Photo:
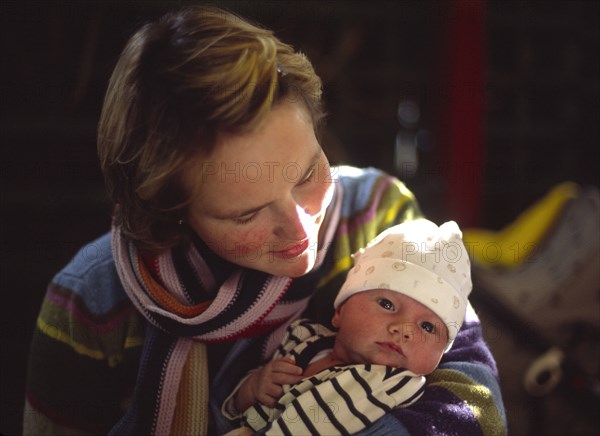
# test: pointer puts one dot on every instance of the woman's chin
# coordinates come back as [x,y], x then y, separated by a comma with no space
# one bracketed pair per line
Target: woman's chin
[295,267]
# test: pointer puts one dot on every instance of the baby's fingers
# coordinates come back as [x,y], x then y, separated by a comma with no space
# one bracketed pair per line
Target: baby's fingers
[269,395]
[286,366]
[284,378]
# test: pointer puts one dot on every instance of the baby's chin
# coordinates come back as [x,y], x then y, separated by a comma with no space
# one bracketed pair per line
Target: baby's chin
[386,362]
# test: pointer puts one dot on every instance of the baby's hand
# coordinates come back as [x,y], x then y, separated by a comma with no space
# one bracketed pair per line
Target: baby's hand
[242,431]
[267,382]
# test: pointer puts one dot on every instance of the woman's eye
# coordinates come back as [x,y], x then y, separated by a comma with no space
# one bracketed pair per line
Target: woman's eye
[308,178]
[245,219]
[428,327]
[386,304]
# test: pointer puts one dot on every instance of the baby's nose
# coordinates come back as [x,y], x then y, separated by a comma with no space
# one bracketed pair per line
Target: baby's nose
[405,330]
[408,333]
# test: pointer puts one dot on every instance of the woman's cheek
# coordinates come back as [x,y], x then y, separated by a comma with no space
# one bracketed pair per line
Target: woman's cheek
[251,242]
[323,196]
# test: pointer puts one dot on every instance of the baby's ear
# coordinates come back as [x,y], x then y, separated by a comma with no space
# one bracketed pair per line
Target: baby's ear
[335,321]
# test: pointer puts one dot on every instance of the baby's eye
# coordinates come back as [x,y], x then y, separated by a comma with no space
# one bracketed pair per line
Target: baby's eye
[428,327]
[386,304]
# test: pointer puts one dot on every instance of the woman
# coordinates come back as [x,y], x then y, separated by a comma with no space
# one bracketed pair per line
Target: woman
[229,224]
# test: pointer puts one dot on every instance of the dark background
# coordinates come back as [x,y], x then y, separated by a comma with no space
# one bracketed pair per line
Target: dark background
[540,118]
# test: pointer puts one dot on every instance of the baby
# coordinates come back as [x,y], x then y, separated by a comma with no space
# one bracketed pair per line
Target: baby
[398,311]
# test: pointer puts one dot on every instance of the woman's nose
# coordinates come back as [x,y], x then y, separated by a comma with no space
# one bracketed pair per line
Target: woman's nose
[293,224]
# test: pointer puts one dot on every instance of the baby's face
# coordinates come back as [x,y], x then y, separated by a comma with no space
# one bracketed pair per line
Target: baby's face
[388,328]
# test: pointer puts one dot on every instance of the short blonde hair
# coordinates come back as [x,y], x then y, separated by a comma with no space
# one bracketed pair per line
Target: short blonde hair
[178,82]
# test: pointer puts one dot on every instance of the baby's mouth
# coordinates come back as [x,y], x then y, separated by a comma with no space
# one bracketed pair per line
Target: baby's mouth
[391,346]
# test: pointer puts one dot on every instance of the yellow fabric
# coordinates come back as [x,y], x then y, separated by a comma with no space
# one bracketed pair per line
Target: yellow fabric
[514,244]
[191,411]
[477,397]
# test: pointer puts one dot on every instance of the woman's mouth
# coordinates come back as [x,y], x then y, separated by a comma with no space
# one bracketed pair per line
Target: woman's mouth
[293,251]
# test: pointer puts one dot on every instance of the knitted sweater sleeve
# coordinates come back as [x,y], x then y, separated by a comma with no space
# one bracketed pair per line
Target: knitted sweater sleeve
[84,350]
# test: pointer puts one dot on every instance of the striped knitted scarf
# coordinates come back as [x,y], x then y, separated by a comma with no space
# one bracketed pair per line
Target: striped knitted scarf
[190,297]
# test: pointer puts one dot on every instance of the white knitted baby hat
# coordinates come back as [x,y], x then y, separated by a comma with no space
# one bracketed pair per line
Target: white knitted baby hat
[420,260]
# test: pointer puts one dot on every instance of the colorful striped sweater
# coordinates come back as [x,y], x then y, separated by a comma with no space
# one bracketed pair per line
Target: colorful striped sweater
[86,347]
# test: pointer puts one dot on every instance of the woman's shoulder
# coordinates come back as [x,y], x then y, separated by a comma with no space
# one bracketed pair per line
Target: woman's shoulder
[86,309]
[352,176]
[368,188]
[92,277]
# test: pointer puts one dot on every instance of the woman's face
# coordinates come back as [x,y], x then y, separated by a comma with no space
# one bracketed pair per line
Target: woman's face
[259,198]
